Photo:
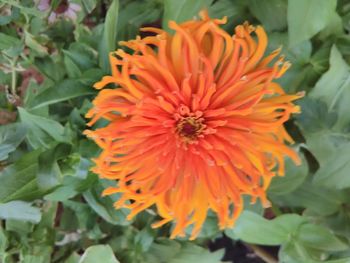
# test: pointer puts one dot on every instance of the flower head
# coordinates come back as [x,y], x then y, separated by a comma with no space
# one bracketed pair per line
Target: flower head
[65,9]
[195,123]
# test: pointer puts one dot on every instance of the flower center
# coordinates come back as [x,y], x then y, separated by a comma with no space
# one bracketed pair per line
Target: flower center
[189,128]
[62,7]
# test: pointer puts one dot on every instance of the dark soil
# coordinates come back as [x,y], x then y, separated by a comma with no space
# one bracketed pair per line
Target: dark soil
[238,252]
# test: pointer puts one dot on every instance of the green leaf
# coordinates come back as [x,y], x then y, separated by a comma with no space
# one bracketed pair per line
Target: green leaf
[182,10]
[52,67]
[7,42]
[19,181]
[3,241]
[34,45]
[193,253]
[82,55]
[42,131]
[83,216]
[103,206]
[11,136]
[317,125]
[73,258]
[49,173]
[334,173]
[293,178]
[73,70]
[300,57]
[19,226]
[308,17]
[319,237]
[293,252]
[321,200]
[10,45]
[15,14]
[65,90]
[253,228]
[236,12]
[334,88]
[135,15]
[333,28]
[98,253]
[20,210]
[110,30]
[89,5]
[144,239]
[271,13]
[27,10]
[162,249]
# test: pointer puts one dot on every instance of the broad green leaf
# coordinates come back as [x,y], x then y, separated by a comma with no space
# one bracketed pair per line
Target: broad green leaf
[42,131]
[333,28]
[308,17]
[81,55]
[71,186]
[103,206]
[19,181]
[315,117]
[271,13]
[162,250]
[300,57]
[52,67]
[73,258]
[20,210]
[7,42]
[334,88]
[62,193]
[49,173]
[84,217]
[293,178]
[91,76]
[182,10]
[293,252]
[253,228]
[321,200]
[98,253]
[10,45]
[19,226]
[11,136]
[317,124]
[319,237]
[73,70]
[109,39]
[193,253]
[334,173]
[67,89]
[144,239]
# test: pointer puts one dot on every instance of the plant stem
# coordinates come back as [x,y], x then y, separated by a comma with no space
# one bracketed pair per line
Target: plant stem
[13,77]
[263,254]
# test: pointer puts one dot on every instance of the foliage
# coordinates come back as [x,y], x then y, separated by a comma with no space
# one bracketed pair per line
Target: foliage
[50,204]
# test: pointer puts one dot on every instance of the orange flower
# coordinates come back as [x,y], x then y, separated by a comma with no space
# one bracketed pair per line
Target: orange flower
[195,123]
